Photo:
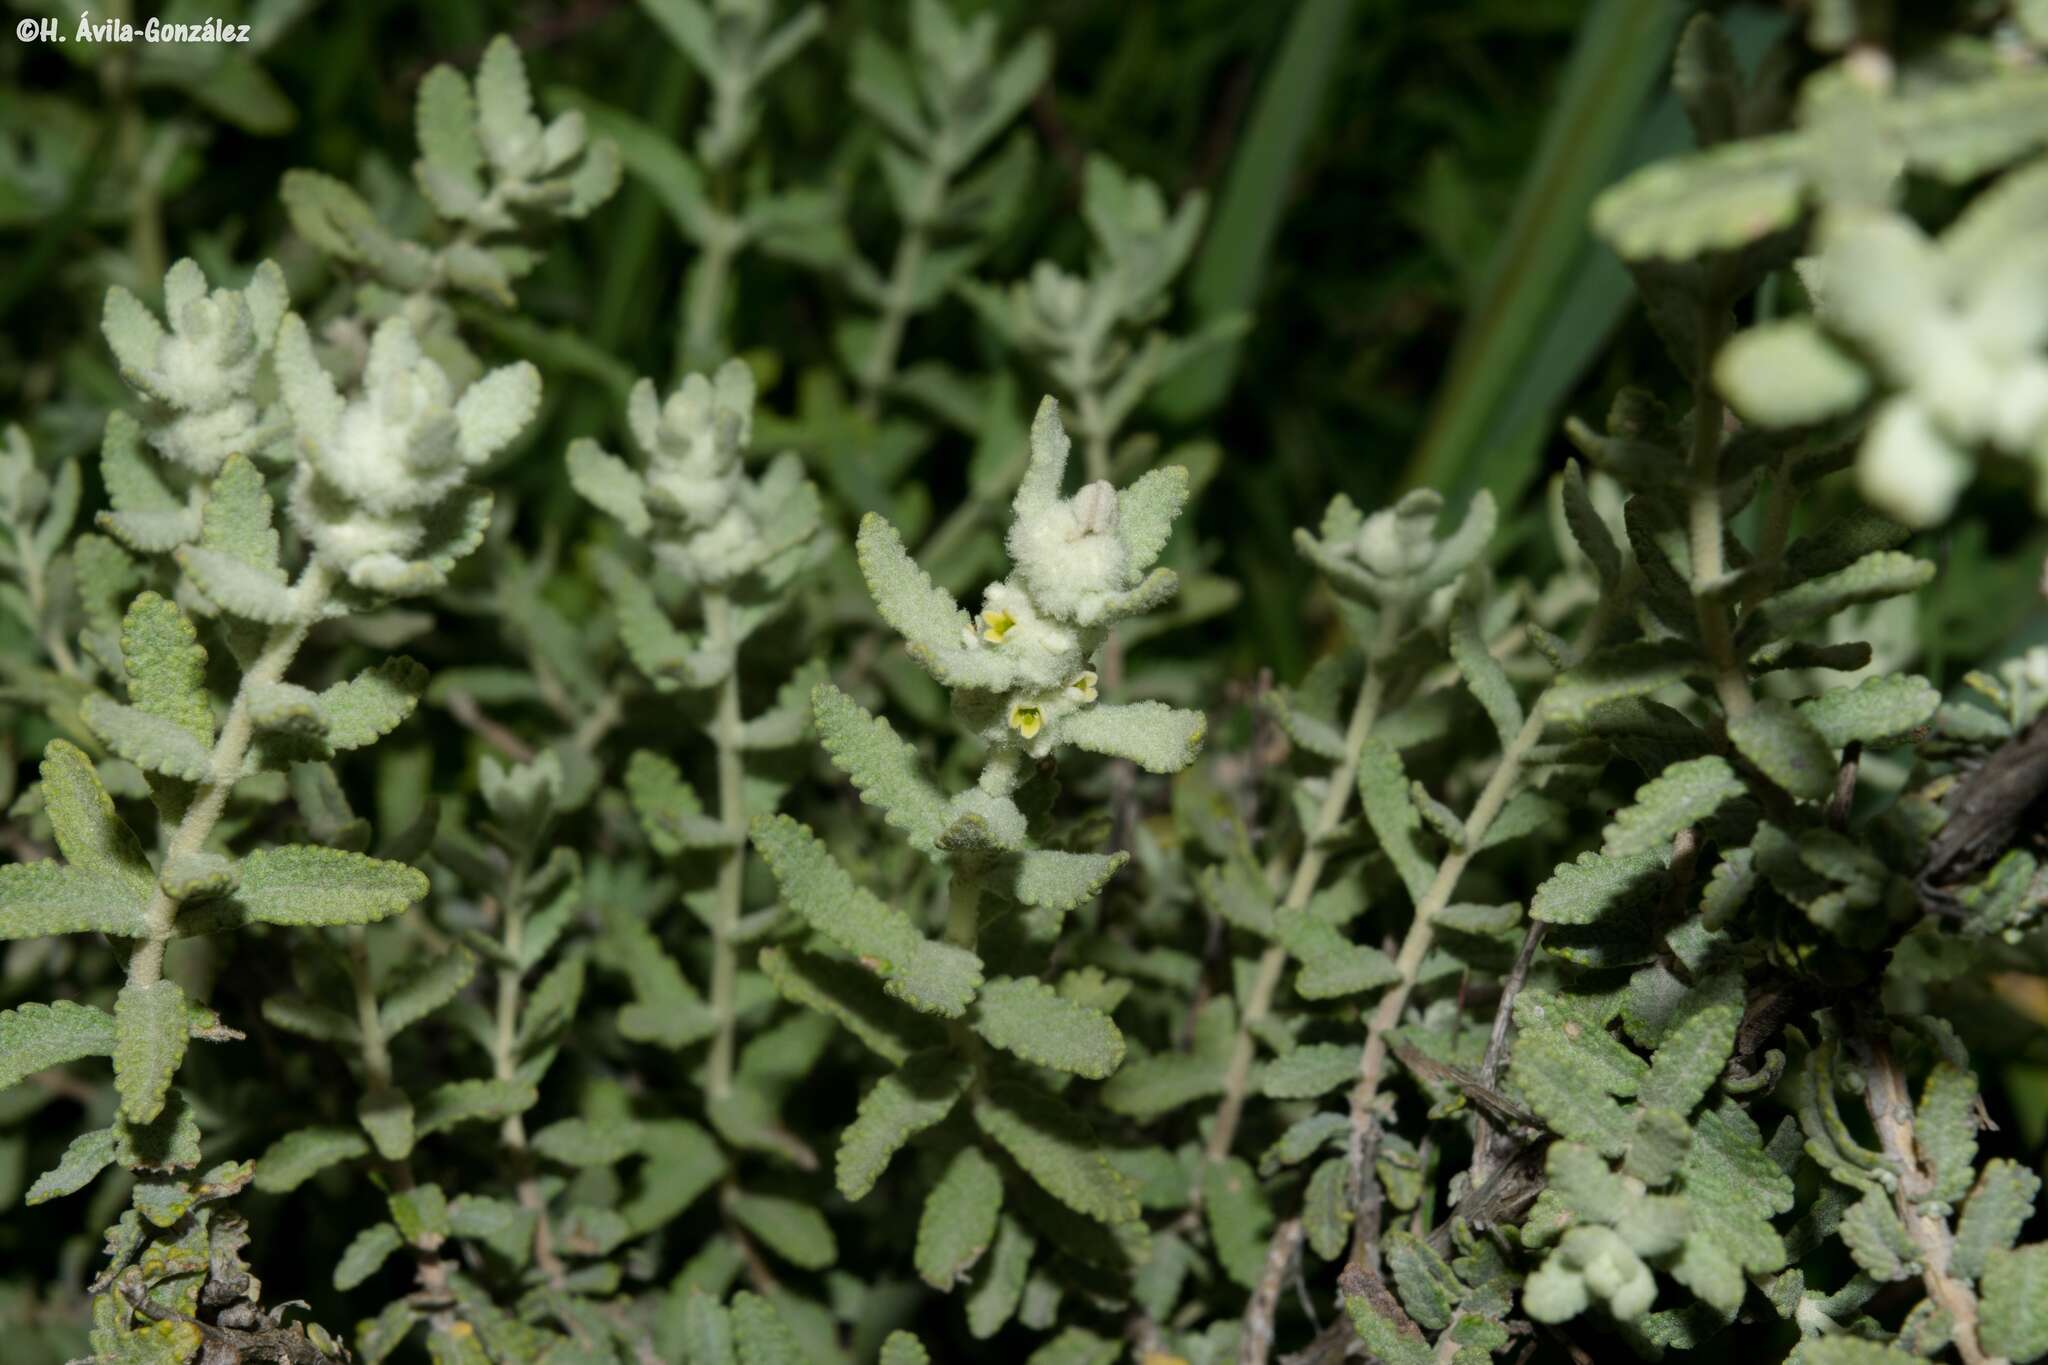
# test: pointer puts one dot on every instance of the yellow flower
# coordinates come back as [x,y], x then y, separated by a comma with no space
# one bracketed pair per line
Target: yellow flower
[1027,720]
[995,625]
[1082,688]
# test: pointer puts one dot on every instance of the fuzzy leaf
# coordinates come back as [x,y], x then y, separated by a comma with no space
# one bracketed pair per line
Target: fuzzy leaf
[924,614]
[1696,1045]
[901,1348]
[1155,1085]
[1873,578]
[936,977]
[299,1156]
[794,1230]
[904,1103]
[167,667]
[959,1219]
[1588,528]
[1157,737]
[1683,795]
[362,1257]
[372,704]
[1945,1128]
[1428,1289]
[1028,1018]
[423,987]
[470,1102]
[851,996]
[88,1155]
[669,810]
[1878,712]
[38,899]
[1051,879]
[1483,673]
[609,484]
[2000,1204]
[150,742]
[1056,1148]
[588,1142]
[1877,1239]
[1787,373]
[37,1037]
[90,835]
[305,885]
[1331,964]
[760,1333]
[884,768]
[150,1037]
[2014,1322]
[1309,1070]
[1597,887]
[241,589]
[1619,672]
[1786,748]
[1239,1220]
[1383,791]
[236,521]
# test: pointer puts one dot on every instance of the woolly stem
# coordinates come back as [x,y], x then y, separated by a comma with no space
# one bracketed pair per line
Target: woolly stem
[726,733]
[224,769]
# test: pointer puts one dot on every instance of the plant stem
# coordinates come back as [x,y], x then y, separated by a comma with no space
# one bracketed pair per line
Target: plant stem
[911,248]
[505,1066]
[1891,1113]
[1704,529]
[1415,946]
[224,769]
[704,302]
[726,735]
[1302,885]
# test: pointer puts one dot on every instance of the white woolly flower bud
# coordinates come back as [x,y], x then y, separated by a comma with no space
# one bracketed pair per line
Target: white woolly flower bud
[1070,556]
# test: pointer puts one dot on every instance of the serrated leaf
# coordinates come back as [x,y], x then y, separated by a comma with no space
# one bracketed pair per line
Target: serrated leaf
[1786,748]
[904,1103]
[1383,792]
[1588,528]
[1617,673]
[1597,887]
[470,1102]
[924,614]
[1696,1045]
[1877,1239]
[1428,1288]
[669,810]
[884,768]
[999,1279]
[297,1157]
[588,1142]
[609,484]
[1878,712]
[365,1255]
[936,977]
[38,899]
[761,1335]
[372,704]
[1239,1221]
[1945,1129]
[959,1220]
[2014,1312]
[1155,1085]
[790,1228]
[90,835]
[901,1348]
[1028,1018]
[425,985]
[150,742]
[2000,1204]
[387,1116]
[853,997]
[1309,1070]
[1052,879]
[37,1037]
[1483,673]
[241,589]
[1331,964]
[1683,795]
[150,1037]
[1157,737]
[666,1009]
[1873,578]
[88,1155]
[302,884]
[1057,1149]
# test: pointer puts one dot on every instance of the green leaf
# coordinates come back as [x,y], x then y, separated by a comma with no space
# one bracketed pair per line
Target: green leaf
[1383,792]
[1157,737]
[90,835]
[38,899]
[1786,748]
[1028,1018]
[167,667]
[1877,1239]
[609,484]
[1945,1129]
[1788,373]
[88,1155]
[150,742]
[387,1116]
[851,996]
[999,1279]
[302,884]
[884,768]
[2000,1204]
[297,1157]
[959,1219]
[363,1256]
[1619,672]
[423,986]
[470,1102]
[1873,578]
[37,1037]
[151,1032]
[236,521]
[1056,1148]
[901,1348]
[761,1335]
[372,704]
[1051,879]
[2014,1321]
[904,1103]
[1239,1221]
[924,614]
[668,807]
[1878,712]
[1428,1289]
[588,1142]
[1845,1350]
[1483,673]
[1150,1086]
[1696,1045]
[1388,1337]
[1597,887]
[1589,529]
[1331,964]
[1683,795]
[1309,1070]
[935,977]
[241,589]
[791,1228]
[666,1009]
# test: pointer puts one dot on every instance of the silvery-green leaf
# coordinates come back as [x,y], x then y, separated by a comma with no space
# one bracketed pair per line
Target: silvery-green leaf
[958,1224]
[150,1037]
[1157,737]
[1029,1019]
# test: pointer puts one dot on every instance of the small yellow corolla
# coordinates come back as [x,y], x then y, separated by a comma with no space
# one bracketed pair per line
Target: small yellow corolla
[1026,720]
[996,624]
[1082,687]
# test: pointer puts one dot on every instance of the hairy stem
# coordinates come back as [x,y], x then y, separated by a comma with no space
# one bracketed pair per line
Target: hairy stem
[1302,885]
[725,733]
[224,769]
[700,346]
[1891,1113]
